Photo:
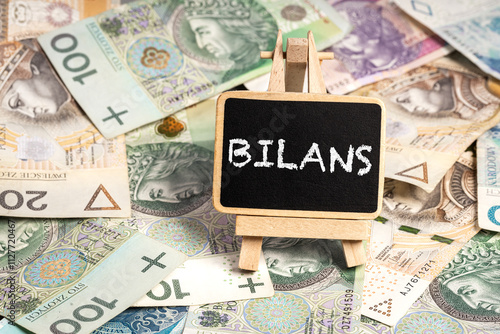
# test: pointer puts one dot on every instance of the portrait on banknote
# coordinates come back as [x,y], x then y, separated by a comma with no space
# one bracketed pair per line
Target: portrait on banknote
[30,91]
[451,203]
[224,35]
[312,264]
[468,287]
[444,95]
[29,236]
[377,41]
[169,179]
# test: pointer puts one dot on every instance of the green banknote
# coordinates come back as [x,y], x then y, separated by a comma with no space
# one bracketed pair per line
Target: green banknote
[170,169]
[315,293]
[80,280]
[144,61]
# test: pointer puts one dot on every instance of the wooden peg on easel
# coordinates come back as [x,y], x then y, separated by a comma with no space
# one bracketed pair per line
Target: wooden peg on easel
[339,218]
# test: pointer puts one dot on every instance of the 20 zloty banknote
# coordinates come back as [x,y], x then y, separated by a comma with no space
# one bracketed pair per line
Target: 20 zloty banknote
[383,43]
[53,161]
[24,19]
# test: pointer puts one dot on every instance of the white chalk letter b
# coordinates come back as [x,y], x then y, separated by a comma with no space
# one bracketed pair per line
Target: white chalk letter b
[239,152]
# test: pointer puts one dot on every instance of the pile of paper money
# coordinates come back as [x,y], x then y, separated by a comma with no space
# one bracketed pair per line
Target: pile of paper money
[107,127]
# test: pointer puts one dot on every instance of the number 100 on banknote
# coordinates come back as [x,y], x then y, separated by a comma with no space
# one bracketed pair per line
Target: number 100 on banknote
[141,62]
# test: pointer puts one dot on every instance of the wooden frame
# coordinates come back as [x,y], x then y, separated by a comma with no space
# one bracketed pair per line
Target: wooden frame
[290,96]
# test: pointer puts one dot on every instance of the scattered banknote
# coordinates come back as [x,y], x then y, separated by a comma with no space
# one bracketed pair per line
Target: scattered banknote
[144,61]
[164,320]
[434,113]
[470,26]
[181,147]
[100,268]
[211,279]
[49,150]
[488,179]
[383,43]
[211,273]
[323,297]
[24,19]
[415,237]
[28,238]
[444,307]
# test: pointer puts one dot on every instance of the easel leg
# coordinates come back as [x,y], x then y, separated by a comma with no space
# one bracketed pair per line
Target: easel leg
[250,253]
[354,252]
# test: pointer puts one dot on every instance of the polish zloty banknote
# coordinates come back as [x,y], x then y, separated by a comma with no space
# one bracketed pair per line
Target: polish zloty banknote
[383,43]
[415,237]
[144,61]
[469,26]
[23,19]
[433,114]
[164,320]
[101,269]
[488,179]
[26,238]
[181,146]
[463,298]
[53,161]
[324,296]
[210,279]
[211,273]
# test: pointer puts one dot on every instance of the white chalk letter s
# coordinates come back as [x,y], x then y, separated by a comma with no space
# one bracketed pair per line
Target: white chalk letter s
[363,171]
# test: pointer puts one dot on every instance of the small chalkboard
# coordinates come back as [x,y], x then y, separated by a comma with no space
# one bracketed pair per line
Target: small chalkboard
[299,155]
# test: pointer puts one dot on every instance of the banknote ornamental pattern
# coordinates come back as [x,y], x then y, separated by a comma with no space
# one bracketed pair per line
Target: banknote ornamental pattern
[56,268]
[151,58]
[170,127]
[428,322]
[187,235]
[281,313]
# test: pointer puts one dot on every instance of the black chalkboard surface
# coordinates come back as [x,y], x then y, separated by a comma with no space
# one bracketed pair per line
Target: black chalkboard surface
[299,155]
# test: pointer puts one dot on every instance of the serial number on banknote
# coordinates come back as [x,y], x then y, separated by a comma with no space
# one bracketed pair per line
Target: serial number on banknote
[347,309]
[416,278]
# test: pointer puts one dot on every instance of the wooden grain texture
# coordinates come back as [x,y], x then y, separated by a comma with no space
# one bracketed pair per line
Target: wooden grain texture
[290,96]
[277,80]
[354,252]
[296,64]
[302,228]
[315,76]
[494,86]
[251,247]
[321,55]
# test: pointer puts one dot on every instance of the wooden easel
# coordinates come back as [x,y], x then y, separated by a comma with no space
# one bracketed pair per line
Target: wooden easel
[300,52]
